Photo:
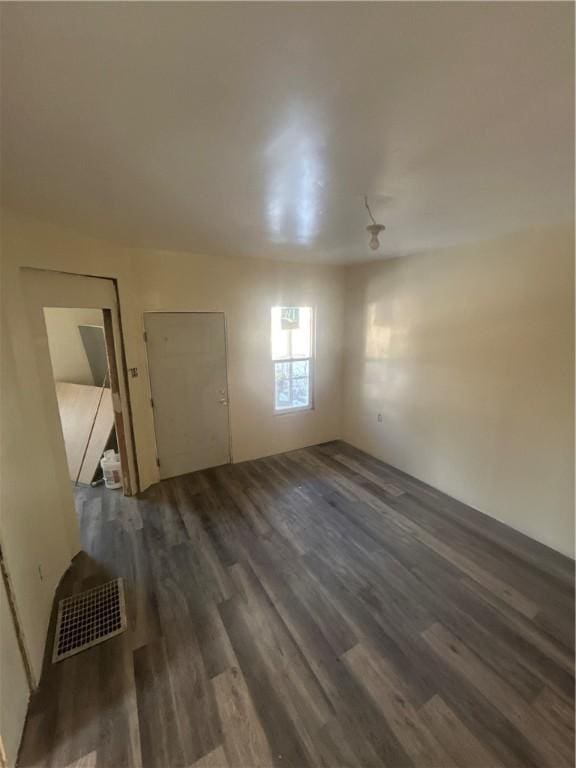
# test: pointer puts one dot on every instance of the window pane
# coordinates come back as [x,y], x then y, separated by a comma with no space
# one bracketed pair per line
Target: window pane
[300,393]
[300,368]
[292,385]
[282,371]
[301,337]
[280,338]
[291,332]
[283,399]
[290,318]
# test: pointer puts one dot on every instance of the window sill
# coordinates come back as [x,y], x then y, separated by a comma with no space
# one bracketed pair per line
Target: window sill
[286,411]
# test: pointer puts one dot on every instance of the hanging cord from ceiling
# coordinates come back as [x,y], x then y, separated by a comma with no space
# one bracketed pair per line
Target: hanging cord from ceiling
[368,209]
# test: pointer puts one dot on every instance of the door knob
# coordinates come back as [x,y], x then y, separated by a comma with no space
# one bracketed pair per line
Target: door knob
[223,401]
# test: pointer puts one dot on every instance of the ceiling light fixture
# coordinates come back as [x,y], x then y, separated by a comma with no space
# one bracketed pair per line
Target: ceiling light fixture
[373,228]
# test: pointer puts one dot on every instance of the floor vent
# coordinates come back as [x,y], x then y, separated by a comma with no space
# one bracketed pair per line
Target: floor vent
[89,618]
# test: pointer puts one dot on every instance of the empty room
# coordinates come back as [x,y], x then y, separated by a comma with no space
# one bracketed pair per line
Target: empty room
[287,385]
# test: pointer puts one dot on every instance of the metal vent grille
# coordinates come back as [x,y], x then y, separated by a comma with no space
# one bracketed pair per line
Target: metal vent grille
[89,618]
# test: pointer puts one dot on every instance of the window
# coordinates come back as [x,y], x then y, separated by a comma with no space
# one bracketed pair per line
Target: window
[292,357]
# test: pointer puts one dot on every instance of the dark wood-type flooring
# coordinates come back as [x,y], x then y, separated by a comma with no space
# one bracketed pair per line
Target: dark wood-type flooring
[317,608]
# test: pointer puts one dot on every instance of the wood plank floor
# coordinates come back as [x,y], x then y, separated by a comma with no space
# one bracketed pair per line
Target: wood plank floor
[317,608]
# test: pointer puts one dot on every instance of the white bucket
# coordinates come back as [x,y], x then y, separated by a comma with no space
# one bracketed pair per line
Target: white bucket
[111,468]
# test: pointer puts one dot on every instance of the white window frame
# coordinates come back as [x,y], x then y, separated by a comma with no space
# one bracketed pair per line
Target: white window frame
[310,360]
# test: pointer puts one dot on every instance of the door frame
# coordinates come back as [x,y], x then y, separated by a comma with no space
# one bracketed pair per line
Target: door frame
[145,337]
[116,355]
[130,485]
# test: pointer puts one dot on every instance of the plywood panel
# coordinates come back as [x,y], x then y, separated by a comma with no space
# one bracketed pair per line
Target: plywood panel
[78,404]
[102,428]
[87,419]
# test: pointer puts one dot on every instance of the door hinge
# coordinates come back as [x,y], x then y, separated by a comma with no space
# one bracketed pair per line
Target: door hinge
[152,402]
[157,461]
[145,336]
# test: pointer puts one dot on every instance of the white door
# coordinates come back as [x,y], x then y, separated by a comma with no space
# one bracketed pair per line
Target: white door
[187,363]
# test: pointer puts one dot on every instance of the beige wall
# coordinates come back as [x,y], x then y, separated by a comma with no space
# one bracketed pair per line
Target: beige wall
[468,354]
[245,290]
[67,353]
[37,521]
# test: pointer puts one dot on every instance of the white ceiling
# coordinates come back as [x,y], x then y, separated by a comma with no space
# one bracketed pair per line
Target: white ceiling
[254,129]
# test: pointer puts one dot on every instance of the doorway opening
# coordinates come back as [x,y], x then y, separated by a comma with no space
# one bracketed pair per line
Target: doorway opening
[84,370]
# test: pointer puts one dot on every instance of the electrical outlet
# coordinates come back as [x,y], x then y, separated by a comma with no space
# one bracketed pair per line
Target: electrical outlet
[379,418]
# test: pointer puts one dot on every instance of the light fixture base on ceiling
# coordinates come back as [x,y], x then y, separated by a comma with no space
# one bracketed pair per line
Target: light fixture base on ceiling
[375,230]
